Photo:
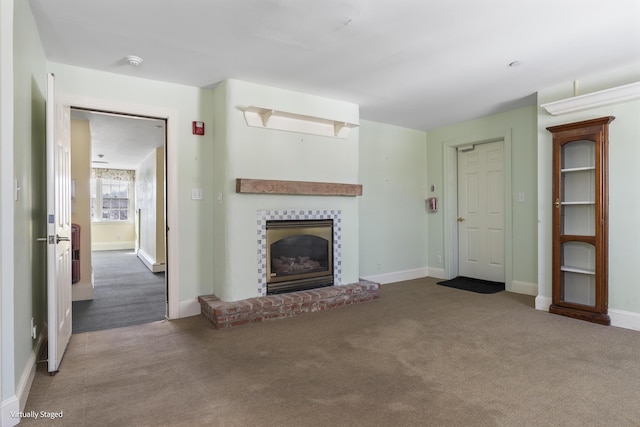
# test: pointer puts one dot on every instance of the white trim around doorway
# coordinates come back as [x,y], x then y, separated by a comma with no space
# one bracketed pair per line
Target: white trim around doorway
[171,116]
[450,207]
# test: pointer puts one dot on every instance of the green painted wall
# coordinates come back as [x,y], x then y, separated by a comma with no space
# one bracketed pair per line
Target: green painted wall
[81,205]
[520,124]
[194,162]
[221,189]
[29,169]
[393,218]
[7,381]
[251,152]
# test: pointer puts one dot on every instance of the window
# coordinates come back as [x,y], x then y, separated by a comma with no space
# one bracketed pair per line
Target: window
[112,194]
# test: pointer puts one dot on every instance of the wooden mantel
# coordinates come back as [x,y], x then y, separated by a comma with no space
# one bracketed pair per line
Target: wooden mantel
[270,186]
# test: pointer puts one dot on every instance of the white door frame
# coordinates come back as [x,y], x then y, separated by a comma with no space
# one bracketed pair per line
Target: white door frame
[171,176]
[450,207]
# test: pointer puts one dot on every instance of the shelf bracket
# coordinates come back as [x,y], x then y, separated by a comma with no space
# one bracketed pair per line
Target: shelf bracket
[338,126]
[265,115]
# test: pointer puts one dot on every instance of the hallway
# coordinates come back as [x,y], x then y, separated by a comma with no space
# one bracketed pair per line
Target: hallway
[125,293]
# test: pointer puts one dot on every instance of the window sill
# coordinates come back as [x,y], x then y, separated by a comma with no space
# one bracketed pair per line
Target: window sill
[111,222]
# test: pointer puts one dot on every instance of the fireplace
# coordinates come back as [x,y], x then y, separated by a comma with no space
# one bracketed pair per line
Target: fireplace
[299,255]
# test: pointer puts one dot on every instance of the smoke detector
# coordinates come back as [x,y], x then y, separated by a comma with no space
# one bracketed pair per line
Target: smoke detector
[133,60]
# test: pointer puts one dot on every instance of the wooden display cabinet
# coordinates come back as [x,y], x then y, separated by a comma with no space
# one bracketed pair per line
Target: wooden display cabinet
[580,220]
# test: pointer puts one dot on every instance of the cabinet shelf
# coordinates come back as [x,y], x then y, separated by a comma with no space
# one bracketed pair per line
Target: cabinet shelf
[577,203]
[578,270]
[270,118]
[581,169]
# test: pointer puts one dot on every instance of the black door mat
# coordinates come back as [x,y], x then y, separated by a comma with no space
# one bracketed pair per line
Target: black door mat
[474,285]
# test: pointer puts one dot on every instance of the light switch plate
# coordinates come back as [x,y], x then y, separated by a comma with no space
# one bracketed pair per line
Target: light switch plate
[196,194]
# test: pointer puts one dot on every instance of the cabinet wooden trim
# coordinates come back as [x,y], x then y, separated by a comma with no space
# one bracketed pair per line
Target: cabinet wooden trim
[596,131]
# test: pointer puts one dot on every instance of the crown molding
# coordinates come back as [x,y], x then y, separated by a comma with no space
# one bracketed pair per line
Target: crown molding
[594,99]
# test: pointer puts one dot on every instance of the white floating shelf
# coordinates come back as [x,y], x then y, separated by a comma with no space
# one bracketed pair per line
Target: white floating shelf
[594,99]
[282,120]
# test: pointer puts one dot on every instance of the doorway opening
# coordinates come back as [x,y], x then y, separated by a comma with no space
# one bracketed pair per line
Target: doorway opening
[451,208]
[119,208]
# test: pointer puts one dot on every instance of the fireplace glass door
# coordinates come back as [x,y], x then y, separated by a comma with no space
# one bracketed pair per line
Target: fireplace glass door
[299,255]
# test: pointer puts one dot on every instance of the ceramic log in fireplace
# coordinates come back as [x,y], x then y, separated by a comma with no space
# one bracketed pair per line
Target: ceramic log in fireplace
[299,255]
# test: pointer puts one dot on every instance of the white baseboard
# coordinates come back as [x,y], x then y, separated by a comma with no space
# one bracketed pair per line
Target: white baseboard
[543,303]
[12,406]
[190,308]
[398,276]
[82,291]
[625,319]
[151,263]
[619,318]
[26,379]
[113,246]
[525,288]
[438,273]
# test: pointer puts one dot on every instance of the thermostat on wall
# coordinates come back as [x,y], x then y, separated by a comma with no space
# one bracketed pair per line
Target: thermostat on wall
[198,128]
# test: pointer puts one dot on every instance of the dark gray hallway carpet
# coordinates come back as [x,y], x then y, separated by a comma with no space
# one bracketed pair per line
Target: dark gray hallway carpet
[125,293]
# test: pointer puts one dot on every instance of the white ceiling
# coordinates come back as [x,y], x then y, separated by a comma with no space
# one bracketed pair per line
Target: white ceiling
[121,142]
[414,63]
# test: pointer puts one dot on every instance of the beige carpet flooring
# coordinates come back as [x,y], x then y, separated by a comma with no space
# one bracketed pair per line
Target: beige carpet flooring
[421,355]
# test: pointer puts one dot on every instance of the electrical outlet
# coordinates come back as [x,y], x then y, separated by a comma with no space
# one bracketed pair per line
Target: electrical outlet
[379,266]
[439,259]
[33,330]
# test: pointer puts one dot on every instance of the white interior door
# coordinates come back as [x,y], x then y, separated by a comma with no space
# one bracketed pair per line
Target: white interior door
[481,211]
[58,226]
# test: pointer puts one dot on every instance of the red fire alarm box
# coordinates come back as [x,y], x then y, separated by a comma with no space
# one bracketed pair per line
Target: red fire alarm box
[198,128]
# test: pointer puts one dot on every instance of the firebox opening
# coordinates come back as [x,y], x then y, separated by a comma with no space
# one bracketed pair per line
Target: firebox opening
[299,255]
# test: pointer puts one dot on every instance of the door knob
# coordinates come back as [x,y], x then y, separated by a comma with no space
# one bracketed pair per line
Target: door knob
[62,239]
[460,219]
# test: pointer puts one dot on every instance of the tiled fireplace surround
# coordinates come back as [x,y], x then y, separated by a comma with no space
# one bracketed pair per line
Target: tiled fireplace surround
[225,314]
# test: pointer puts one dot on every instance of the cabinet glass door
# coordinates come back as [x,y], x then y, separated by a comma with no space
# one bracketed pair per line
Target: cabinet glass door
[578,212]
[578,191]
[578,273]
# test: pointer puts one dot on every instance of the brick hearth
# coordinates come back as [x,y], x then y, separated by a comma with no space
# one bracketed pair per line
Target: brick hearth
[224,315]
